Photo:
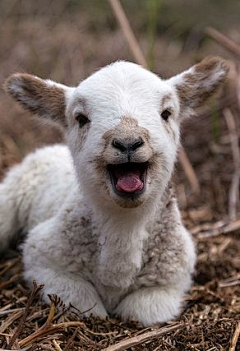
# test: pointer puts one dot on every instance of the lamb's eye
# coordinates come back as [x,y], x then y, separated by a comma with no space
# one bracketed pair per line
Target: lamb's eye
[82,120]
[165,114]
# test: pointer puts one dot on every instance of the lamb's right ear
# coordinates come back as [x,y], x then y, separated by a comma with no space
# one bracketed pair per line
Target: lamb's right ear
[199,83]
[42,97]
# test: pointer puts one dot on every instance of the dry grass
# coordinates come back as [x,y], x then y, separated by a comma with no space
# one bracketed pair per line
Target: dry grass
[64,44]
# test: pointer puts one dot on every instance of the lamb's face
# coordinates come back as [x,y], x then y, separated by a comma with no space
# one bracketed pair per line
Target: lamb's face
[124,133]
[122,124]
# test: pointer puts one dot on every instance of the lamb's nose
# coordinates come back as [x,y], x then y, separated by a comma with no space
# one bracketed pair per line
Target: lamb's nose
[124,146]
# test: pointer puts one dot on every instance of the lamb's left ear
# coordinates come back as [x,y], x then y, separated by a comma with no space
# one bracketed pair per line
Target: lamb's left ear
[196,85]
[42,97]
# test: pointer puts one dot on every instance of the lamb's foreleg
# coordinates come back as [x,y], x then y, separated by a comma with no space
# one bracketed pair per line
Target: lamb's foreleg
[151,305]
[50,261]
[73,290]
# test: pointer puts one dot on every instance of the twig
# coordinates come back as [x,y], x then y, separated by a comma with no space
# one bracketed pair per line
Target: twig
[56,345]
[238,84]
[8,306]
[224,41]
[9,265]
[234,188]
[205,227]
[190,173]
[140,59]
[70,341]
[10,281]
[10,320]
[218,228]
[2,313]
[50,328]
[128,33]
[235,338]
[232,281]
[136,340]
[34,293]
[47,330]
[227,285]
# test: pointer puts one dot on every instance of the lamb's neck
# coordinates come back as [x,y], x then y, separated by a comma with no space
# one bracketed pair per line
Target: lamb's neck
[114,220]
[121,235]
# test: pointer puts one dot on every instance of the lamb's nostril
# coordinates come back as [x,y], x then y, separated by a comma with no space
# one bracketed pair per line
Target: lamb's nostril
[119,145]
[136,144]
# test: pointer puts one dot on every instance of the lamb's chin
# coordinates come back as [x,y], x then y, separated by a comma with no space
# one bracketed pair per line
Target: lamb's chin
[128,201]
[128,204]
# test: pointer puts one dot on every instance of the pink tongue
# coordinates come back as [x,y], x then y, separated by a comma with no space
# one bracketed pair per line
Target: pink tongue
[129,183]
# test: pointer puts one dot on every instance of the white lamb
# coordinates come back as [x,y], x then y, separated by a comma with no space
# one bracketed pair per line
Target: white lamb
[102,224]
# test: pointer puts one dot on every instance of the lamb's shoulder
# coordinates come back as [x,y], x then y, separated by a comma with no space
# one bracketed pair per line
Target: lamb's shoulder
[169,253]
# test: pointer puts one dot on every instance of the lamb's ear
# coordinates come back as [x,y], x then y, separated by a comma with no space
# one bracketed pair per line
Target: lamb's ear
[42,97]
[196,85]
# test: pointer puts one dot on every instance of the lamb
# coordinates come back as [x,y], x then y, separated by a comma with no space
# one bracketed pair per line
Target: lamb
[101,221]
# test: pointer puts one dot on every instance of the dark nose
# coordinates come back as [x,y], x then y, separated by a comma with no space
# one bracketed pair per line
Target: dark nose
[127,147]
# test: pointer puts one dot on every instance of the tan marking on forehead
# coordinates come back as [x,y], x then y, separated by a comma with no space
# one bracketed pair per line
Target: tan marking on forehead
[128,122]
[124,128]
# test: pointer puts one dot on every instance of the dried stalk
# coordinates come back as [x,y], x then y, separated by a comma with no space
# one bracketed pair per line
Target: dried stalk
[206,227]
[136,340]
[218,228]
[50,328]
[140,59]
[189,171]
[224,41]
[56,345]
[10,281]
[128,33]
[238,84]
[234,188]
[235,338]
[2,313]
[70,341]
[232,281]
[10,320]
[9,265]
[34,293]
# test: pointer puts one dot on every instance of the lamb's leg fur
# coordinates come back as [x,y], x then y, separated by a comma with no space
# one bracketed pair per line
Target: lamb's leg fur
[151,305]
[44,261]
[71,289]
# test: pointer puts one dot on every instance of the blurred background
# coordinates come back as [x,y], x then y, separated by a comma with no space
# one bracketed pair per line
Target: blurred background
[66,40]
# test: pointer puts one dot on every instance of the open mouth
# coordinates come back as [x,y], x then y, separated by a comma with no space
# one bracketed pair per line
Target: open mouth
[128,179]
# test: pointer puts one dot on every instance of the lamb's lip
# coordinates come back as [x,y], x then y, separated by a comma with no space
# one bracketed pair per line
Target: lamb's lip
[133,196]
